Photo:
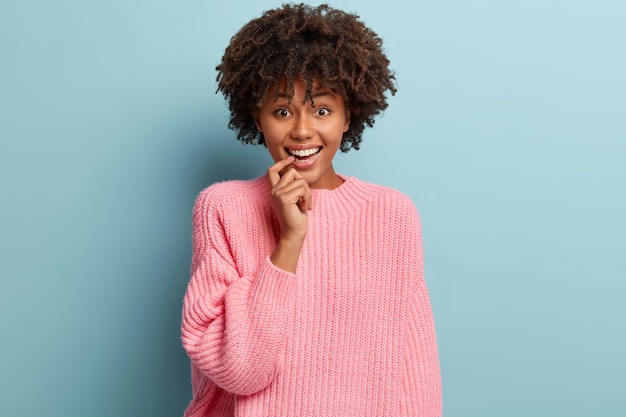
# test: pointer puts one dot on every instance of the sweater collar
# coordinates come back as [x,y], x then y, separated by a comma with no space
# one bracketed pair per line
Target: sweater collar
[342,201]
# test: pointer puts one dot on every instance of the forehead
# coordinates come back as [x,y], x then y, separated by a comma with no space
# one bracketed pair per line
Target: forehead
[286,88]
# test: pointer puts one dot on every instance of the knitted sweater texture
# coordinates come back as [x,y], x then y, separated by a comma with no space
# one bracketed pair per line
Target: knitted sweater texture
[349,334]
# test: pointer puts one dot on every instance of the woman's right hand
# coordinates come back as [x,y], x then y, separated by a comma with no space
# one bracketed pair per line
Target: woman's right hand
[291,197]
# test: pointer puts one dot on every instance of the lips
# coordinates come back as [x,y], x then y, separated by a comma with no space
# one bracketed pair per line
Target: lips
[305,156]
[303,153]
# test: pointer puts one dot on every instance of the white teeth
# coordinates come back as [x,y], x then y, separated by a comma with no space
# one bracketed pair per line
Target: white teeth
[303,153]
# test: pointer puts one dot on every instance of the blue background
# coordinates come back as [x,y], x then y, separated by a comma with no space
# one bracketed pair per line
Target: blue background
[508,132]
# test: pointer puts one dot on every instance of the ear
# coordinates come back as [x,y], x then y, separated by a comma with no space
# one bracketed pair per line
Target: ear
[346,125]
[257,121]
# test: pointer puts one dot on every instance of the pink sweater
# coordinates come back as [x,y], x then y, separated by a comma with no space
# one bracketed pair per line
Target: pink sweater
[350,334]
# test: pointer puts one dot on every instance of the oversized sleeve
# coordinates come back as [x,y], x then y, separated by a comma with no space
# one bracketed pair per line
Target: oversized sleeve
[421,382]
[233,326]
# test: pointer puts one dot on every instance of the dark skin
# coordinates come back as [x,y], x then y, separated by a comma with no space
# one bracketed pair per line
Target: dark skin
[293,125]
[292,198]
[306,42]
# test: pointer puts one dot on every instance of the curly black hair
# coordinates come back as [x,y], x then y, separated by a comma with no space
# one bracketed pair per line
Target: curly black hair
[299,41]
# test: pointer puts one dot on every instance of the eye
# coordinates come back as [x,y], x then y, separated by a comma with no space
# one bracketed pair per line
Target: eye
[282,113]
[322,111]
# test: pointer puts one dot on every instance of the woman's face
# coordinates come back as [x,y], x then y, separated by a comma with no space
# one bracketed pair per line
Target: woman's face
[310,130]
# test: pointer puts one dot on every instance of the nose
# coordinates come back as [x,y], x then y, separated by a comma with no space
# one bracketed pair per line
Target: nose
[302,128]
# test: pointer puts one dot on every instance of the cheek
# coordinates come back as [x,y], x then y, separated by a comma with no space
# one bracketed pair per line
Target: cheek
[275,154]
[275,150]
[337,131]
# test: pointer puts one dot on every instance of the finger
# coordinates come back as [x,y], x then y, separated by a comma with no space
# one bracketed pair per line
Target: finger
[294,179]
[296,193]
[273,172]
[307,200]
[291,191]
[295,188]
[287,176]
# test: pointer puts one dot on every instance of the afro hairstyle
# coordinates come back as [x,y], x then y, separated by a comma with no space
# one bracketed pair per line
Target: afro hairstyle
[320,44]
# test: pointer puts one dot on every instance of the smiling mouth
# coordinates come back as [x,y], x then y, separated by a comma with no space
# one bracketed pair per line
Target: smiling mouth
[302,154]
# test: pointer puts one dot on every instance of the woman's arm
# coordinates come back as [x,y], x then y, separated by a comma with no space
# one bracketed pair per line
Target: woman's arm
[233,327]
[421,384]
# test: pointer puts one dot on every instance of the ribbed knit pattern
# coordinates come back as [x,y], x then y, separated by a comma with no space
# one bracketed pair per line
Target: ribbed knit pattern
[350,334]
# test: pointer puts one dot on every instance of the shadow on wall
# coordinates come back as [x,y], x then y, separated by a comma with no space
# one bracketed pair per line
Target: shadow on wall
[209,154]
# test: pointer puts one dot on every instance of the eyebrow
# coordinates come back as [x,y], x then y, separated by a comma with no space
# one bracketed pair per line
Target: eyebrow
[313,96]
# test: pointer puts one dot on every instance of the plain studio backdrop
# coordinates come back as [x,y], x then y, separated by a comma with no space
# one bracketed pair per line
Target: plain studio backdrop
[508,131]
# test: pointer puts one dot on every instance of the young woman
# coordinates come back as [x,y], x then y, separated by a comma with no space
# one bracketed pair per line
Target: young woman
[307,295]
